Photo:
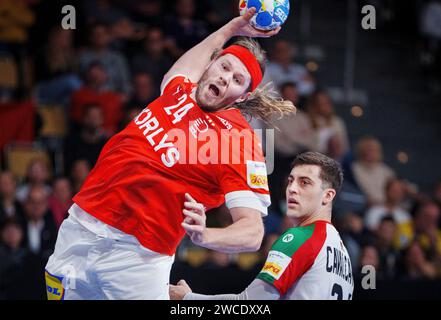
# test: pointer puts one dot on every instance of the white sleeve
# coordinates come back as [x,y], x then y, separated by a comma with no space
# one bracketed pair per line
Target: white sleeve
[257,290]
[248,199]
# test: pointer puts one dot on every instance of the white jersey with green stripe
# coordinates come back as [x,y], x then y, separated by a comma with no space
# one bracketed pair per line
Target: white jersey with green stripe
[310,262]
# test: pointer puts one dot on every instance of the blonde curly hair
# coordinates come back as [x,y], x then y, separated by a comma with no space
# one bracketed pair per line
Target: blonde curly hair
[265,100]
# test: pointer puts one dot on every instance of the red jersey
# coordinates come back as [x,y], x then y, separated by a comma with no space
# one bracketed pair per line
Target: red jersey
[170,148]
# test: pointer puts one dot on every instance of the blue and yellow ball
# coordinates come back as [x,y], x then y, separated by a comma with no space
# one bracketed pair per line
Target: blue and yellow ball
[269,15]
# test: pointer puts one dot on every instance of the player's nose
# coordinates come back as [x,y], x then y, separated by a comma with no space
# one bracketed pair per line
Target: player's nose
[292,188]
[222,81]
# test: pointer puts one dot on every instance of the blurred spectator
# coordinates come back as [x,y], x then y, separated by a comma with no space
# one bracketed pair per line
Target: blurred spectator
[369,171]
[94,92]
[55,68]
[426,231]
[369,257]
[80,171]
[395,194]
[40,232]
[125,34]
[282,68]
[11,129]
[10,207]
[292,134]
[437,196]
[183,26]
[12,260]
[431,19]
[388,254]
[214,13]
[416,265]
[155,58]
[354,235]
[430,28]
[328,127]
[16,18]
[218,12]
[144,91]
[112,61]
[101,11]
[37,176]
[336,149]
[150,12]
[87,142]
[60,200]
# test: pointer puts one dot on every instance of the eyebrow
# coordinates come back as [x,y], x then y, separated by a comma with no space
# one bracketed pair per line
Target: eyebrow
[301,177]
[239,73]
[227,62]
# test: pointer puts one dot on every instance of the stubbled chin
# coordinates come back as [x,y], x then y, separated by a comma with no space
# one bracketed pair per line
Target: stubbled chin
[205,102]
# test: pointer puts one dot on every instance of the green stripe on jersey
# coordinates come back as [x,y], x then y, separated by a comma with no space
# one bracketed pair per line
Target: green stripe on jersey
[282,251]
[292,239]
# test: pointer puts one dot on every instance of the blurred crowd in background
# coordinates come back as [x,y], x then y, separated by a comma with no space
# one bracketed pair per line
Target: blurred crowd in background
[63,93]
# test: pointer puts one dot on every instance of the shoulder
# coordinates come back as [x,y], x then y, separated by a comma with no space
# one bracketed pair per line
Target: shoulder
[295,238]
[339,123]
[375,210]
[171,83]
[386,169]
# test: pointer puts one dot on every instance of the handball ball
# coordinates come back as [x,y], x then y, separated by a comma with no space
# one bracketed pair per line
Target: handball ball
[269,13]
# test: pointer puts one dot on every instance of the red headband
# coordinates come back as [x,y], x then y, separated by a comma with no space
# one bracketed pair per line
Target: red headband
[250,62]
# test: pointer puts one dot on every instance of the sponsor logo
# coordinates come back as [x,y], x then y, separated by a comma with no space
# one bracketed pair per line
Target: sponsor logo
[54,287]
[258,180]
[272,268]
[288,238]
[256,175]
[276,264]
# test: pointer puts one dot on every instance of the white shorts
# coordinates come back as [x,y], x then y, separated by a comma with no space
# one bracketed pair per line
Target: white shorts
[98,265]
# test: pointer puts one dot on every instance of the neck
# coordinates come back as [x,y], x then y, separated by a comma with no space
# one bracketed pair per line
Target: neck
[35,220]
[320,216]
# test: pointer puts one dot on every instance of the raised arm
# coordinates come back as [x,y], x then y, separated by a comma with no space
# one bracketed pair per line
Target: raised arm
[193,63]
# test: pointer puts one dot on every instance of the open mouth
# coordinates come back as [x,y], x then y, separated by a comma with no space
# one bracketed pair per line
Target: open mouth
[214,90]
[293,202]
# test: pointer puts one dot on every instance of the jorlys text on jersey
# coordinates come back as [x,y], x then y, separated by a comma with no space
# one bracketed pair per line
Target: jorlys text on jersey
[155,134]
[201,138]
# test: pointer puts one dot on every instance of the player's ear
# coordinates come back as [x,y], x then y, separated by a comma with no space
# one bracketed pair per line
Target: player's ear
[243,97]
[328,196]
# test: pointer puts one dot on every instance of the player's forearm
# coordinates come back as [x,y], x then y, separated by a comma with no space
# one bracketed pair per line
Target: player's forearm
[197,296]
[257,290]
[194,62]
[244,235]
